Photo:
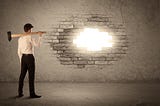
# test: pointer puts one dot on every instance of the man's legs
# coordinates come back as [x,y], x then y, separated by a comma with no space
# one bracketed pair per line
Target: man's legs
[22,76]
[31,71]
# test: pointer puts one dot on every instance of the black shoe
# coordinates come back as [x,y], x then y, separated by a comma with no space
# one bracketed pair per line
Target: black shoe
[20,95]
[35,96]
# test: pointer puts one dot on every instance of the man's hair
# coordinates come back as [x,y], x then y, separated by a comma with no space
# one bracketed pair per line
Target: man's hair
[27,27]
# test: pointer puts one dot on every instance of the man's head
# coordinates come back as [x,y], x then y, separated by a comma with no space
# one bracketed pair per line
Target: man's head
[27,27]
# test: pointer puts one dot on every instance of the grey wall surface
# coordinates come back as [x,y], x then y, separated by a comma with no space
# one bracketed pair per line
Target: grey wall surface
[141,19]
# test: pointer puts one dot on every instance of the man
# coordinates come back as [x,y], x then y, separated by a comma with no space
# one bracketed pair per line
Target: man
[26,55]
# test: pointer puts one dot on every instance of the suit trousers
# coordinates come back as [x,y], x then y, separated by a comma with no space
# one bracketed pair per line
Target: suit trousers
[27,63]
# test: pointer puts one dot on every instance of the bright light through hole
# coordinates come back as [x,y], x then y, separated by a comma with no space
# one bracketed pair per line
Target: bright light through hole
[93,40]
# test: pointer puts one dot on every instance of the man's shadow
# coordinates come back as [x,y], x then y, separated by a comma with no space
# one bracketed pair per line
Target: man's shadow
[17,97]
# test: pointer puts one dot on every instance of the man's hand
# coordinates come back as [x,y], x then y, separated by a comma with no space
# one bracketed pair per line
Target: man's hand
[41,32]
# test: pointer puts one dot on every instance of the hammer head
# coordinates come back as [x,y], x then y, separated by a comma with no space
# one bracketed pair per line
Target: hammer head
[9,35]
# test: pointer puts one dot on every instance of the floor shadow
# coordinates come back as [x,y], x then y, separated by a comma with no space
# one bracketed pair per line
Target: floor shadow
[30,98]
[17,97]
[27,97]
[14,97]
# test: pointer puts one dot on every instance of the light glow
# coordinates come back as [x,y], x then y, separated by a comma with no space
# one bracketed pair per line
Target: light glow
[93,40]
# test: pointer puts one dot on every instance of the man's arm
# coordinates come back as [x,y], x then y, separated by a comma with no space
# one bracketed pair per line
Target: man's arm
[36,43]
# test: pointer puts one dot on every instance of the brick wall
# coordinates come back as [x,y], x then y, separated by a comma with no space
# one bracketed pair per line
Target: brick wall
[133,23]
[61,40]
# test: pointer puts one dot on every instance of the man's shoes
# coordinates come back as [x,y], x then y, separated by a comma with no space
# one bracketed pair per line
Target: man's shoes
[35,96]
[20,95]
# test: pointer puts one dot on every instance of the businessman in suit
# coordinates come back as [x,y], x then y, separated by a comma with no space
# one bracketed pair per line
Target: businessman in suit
[26,46]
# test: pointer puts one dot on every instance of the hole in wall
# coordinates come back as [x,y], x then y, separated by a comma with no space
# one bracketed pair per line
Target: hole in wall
[64,41]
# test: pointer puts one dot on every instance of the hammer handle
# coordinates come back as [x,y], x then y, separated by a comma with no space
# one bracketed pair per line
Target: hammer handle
[26,34]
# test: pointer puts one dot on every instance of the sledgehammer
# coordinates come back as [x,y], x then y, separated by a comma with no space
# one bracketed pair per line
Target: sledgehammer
[10,35]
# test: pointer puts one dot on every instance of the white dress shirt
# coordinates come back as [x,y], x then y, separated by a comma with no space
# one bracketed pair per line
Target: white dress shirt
[26,45]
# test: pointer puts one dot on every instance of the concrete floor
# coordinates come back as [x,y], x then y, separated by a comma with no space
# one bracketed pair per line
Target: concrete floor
[83,94]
